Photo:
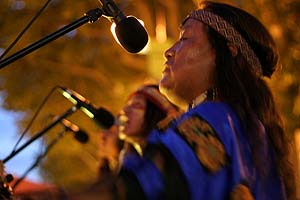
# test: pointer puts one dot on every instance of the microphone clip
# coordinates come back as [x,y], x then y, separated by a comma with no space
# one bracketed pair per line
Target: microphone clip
[94,14]
[111,11]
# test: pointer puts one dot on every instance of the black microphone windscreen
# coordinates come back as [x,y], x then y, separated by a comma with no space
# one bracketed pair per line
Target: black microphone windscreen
[104,118]
[131,34]
[81,137]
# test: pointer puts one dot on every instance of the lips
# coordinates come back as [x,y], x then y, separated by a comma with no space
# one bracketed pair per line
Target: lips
[167,68]
[123,121]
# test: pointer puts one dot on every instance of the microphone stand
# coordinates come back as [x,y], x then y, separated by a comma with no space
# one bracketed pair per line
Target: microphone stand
[57,120]
[40,157]
[91,16]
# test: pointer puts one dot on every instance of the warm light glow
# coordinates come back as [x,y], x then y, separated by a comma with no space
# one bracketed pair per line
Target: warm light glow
[296,54]
[160,29]
[146,49]
[297,144]
[135,144]
[122,136]
[87,112]
[161,35]
[276,31]
[296,107]
[113,31]
[68,96]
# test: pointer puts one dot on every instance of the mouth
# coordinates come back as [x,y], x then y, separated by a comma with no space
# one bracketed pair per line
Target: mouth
[167,68]
[123,120]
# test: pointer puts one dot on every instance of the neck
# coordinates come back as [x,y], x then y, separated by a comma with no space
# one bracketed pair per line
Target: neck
[199,99]
[208,95]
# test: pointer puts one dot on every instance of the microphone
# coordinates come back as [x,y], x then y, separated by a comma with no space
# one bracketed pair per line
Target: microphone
[103,117]
[80,135]
[130,32]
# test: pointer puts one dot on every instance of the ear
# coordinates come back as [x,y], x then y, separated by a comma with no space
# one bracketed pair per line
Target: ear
[233,49]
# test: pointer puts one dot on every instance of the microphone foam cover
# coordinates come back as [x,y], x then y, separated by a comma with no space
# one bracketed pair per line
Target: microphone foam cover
[131,34]
[81,137]
[104,118]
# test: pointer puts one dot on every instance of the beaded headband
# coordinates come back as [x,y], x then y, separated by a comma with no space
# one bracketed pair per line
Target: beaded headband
[228,31]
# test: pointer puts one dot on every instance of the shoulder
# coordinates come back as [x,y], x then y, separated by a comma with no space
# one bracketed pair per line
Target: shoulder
[214,112]
[212,130]
[220,117]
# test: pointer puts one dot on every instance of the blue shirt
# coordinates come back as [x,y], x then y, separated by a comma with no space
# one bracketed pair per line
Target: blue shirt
[230,173]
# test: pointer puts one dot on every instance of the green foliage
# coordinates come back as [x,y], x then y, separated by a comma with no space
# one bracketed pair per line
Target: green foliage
[89,62]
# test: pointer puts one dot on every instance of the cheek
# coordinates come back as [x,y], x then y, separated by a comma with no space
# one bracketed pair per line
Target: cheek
[166,80]
[135,125]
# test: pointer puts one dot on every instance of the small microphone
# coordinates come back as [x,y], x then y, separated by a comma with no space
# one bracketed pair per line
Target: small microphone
[80,135]
[129,31]
[103,117]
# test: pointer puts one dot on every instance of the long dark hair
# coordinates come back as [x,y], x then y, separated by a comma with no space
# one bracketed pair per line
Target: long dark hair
[153,114]
[249,94]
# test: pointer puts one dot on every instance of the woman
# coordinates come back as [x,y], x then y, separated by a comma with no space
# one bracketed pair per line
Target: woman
[230,144]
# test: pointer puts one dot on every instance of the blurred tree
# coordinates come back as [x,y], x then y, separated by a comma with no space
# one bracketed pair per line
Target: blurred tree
[87,60]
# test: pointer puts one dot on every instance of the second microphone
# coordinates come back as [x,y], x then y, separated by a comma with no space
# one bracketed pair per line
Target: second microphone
[103,117]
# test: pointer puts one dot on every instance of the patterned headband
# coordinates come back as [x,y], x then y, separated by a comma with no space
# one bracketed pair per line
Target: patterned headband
[228,31]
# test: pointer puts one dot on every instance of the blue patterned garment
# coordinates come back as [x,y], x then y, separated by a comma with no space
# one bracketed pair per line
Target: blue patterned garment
[212,155]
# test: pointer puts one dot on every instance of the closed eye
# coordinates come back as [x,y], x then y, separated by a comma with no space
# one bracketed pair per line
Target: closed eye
[183,38]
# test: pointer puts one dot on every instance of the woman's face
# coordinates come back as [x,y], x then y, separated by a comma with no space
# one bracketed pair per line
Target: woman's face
[190,66]
[134,112]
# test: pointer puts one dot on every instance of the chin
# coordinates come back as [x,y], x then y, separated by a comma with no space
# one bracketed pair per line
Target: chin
[165,83]
[163,89]
[172,97]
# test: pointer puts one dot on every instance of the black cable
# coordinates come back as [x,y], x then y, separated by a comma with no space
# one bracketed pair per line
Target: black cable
[33,118]
[25,29]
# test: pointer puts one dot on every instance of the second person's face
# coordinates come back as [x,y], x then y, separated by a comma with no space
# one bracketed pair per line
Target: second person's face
[134,111]
[190,66]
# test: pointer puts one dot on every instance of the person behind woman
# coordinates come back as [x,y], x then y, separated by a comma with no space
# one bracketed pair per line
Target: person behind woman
[146,109]
[124,143]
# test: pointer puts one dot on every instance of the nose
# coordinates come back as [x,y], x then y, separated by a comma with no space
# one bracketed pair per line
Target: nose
[125,110]
[169,52]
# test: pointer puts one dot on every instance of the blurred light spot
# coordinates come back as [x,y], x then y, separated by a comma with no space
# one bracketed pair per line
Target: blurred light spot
[288,79]
[296,54]
[275,31]
[18,5]
[146,49]
[297,153]
[113,31]
[296,107]
[160,29]
[161,35]
[71,34]
[1,51]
